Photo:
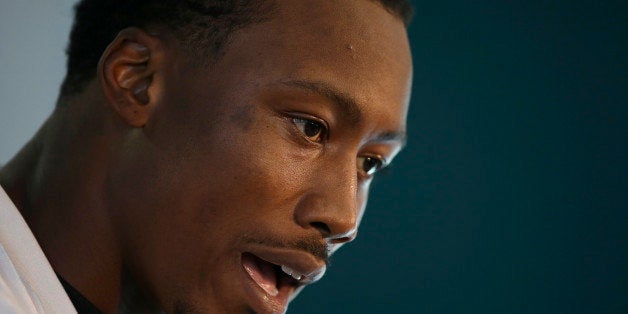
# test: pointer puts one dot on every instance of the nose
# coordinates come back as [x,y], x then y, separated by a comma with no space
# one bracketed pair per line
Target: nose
[331,203]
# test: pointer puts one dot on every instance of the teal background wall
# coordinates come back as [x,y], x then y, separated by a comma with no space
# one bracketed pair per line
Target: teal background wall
[512,194]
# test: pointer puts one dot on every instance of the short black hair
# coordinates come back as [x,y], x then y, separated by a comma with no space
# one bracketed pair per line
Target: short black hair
[202,26]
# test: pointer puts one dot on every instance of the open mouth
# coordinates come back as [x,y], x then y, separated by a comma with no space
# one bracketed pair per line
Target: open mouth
[271,277]
[275,273]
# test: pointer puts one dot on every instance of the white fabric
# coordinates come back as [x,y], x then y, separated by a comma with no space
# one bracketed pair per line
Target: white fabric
[27,282]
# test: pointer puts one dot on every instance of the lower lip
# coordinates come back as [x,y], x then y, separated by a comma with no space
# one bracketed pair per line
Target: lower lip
[262,302]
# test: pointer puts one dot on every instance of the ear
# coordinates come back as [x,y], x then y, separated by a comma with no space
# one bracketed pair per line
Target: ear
[126,73]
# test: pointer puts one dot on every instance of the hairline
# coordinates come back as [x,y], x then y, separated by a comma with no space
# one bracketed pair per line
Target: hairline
[203,55]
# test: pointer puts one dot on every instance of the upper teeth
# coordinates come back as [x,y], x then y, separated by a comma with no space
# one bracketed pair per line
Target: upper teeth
[295,274]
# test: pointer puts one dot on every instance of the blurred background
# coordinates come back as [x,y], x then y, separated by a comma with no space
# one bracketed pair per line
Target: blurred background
[512,195]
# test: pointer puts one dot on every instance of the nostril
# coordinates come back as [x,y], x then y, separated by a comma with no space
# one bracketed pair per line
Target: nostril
[322,228]
[344,238]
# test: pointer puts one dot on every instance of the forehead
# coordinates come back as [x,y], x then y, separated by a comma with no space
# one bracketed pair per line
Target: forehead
[355,46]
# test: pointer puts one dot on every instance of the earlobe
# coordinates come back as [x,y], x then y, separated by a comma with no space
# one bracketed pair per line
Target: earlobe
[126,71]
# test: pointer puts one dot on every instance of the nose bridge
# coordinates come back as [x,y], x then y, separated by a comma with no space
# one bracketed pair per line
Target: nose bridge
[331,203]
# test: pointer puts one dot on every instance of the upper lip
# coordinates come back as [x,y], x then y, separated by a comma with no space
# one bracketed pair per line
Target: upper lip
[302,262]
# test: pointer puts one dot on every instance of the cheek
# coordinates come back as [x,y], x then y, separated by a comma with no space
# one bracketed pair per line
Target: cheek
[243,167]
[256,169]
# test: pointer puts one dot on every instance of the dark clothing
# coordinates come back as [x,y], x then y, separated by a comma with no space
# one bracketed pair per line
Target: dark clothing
[82,305]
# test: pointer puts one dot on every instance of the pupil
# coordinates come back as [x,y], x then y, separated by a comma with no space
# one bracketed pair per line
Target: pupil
[312,129]
[370,163]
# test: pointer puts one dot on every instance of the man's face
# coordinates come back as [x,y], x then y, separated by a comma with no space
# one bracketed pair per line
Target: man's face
[263,159]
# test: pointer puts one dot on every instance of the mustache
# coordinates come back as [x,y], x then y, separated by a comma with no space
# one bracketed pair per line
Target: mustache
[314,246]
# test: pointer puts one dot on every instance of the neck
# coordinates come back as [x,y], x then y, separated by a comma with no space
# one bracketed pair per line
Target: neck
[57,181]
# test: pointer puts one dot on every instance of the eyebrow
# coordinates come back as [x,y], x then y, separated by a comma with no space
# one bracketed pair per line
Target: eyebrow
[395,136]
[348,107]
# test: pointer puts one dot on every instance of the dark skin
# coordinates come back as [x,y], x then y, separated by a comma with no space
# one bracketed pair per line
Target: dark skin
[147,188]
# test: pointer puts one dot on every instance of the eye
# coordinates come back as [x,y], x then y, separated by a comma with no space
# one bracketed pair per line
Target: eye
[369,165]
[315,131]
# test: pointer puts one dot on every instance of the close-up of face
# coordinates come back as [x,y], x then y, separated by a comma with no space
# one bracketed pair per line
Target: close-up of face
[262,156]
[251,171]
